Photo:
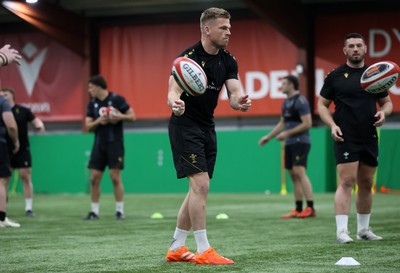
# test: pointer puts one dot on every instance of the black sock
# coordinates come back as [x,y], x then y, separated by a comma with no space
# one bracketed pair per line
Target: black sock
[2,215]
[299,206]
[310,204]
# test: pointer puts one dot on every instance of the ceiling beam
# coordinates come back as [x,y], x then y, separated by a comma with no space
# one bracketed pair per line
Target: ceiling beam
[65,27]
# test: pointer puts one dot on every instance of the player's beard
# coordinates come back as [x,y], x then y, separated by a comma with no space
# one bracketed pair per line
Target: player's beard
[355,60]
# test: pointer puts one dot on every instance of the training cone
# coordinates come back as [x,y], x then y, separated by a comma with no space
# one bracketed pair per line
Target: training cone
[156,215]
[347,261]
[222,216]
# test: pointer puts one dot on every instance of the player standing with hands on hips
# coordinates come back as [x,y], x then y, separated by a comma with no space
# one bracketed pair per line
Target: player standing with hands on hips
[353,128]
[293,128]
[8,126]
[192,133]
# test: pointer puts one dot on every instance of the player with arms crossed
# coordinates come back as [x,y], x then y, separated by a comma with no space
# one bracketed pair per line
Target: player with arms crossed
[192,133]
[353,128]
[108,147]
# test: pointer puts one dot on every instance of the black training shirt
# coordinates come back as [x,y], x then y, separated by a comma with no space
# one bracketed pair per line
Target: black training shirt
[354,107]
[109,132]
[199,110]
[23,116]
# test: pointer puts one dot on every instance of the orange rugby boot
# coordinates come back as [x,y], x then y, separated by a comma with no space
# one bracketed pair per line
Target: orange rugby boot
[307,213]
[210,256]
[291,214]
[180,255]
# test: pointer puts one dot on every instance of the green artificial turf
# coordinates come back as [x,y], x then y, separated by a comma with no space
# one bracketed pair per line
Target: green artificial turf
[254,236]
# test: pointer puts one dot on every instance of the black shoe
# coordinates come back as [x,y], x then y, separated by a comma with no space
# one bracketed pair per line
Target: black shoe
[119,215]
[91,216]
[29,213]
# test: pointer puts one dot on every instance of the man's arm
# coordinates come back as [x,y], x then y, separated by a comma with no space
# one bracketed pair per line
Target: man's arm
[38,124]
[118,116]
[174,94]
[326,117]
[236,99]
[386,108]
[12,129]
[279,127]
[91,124]
[306,123]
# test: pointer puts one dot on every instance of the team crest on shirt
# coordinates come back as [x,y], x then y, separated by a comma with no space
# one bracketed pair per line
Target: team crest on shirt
[346,75]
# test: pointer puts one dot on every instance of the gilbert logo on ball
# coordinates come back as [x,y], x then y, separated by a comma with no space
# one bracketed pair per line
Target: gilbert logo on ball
[380,77]
[189,76]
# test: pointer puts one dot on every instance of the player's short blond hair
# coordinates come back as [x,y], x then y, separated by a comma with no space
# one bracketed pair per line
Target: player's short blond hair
[211,14]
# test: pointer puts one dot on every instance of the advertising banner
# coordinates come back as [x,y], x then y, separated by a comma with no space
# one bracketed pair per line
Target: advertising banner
[381,32]
[49,79]
[137,62]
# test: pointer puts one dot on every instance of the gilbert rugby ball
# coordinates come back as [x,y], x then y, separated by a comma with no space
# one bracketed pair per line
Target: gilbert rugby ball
[189,76]
[107,111]
[380,77]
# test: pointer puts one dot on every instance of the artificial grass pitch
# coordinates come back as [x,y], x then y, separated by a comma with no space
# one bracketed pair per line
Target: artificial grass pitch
[254,236]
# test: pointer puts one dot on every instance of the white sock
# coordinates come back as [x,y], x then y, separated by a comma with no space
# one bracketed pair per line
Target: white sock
[201,239]
[96,208]
[342,222]
[119,206]
[363,221]
[179,239]
[28,204]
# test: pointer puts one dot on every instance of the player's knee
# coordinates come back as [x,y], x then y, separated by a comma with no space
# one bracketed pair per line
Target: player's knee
[295,177]
[25,180]
[116,181]
[348,181]
[115,178]
[365,185]
[95,181]
[201,188]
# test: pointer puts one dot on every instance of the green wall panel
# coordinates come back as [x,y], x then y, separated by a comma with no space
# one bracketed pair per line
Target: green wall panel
[389,159]
[59,163]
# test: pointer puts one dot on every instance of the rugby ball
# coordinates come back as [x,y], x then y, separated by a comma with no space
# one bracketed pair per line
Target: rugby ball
[189,76]
[107,111]
[379,77]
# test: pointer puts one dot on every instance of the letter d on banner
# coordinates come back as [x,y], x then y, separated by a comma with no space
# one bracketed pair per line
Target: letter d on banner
[388,43]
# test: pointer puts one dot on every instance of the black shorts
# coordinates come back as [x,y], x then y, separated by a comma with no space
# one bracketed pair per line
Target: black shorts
[296,155]
[22,159]
[5,169]
[346,152]
[194,149]
[110,154]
